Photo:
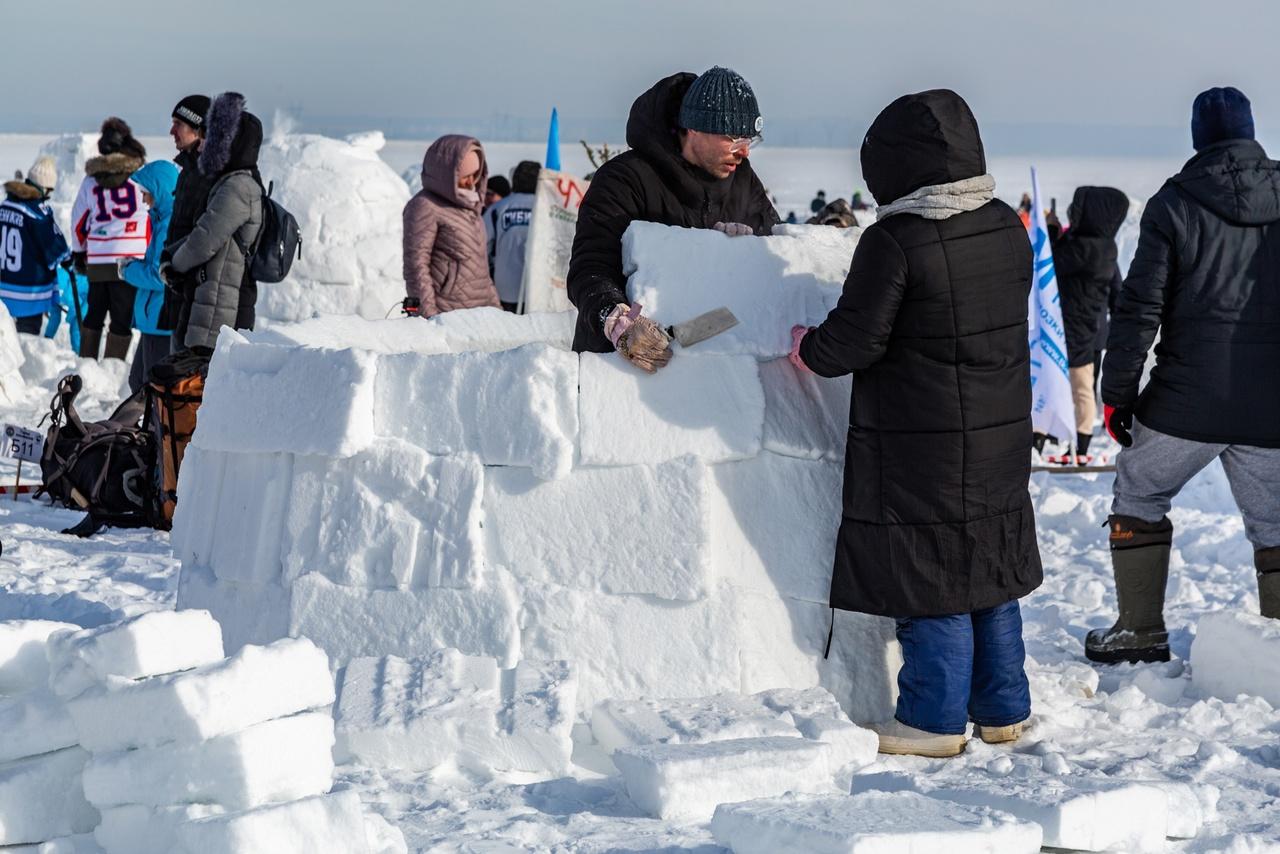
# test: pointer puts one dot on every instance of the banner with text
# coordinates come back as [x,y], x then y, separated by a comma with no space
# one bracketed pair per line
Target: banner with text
[1052,411]
[546,260]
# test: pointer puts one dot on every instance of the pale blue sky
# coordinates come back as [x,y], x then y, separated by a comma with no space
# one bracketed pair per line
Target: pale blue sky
[820,68]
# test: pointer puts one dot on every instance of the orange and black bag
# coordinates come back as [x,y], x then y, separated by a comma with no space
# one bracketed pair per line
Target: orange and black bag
[175,389]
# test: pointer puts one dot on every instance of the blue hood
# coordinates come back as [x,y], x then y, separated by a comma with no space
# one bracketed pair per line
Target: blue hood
[159,178]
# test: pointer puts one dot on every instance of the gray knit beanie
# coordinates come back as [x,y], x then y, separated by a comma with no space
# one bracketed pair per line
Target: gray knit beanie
[721,101]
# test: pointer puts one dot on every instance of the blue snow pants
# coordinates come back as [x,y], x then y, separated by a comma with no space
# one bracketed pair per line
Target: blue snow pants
[961,668]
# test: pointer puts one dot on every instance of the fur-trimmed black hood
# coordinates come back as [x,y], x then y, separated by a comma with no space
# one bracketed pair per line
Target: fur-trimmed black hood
[233,137]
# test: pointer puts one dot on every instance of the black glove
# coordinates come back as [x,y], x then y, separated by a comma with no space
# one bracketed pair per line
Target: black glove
[412,306]
[1119,421]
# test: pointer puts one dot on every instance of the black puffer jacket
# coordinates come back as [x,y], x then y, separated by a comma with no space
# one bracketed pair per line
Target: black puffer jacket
[651,183]
[933,325]
[1085,262]
[1206,277]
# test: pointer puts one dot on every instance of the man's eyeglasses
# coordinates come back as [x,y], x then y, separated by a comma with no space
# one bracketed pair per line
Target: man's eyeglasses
[743,143]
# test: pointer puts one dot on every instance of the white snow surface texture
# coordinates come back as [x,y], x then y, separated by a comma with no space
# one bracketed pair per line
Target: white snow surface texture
[467,482]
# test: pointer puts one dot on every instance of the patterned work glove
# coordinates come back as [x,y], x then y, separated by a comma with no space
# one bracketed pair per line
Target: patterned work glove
[797,335]
[637,338]
[733,229]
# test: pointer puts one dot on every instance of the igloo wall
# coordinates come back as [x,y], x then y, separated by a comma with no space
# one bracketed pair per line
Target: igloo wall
[468,482]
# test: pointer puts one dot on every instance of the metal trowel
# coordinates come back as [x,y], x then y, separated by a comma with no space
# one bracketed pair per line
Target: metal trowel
[702,327]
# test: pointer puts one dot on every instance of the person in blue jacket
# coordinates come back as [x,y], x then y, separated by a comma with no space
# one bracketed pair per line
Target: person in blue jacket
[31,247]
[157,180]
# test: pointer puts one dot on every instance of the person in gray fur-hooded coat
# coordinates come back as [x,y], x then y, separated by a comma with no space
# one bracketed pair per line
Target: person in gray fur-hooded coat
[216,250]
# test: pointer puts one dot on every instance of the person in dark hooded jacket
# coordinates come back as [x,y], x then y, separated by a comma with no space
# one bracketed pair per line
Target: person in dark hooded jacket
[938,529]
[1206,279]
[690,139]
[214,257]
[1084,259]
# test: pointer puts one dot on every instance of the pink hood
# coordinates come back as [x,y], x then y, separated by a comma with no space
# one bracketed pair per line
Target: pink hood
[440,170]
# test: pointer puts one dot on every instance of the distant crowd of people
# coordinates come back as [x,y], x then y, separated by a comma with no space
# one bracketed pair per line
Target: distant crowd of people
[163,246]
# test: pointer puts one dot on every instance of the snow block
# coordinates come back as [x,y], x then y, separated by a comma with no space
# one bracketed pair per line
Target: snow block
[1218,668]
[621,724]
[225,492]
[653,538]
[262,398]
[41,798]
[870,823]
[777,547]
[273,762]
[770,283]
[324,823]
[136,829]
[33,723]
[391,516]
[805,415]
[351,622]
[150,644]
[419,714]
[1081,814]
[632,646]
[382,836]
[851,745]
[515,408]
[686,782]
[256,684]
[710,407]
[24,664]
[247,613]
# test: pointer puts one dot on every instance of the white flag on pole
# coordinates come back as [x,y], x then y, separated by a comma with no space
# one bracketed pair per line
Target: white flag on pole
[1052,411]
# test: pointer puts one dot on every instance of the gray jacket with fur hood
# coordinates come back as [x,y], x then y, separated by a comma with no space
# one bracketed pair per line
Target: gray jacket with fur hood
[216,251]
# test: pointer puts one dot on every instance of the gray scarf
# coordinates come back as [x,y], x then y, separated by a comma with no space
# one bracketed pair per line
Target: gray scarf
[943,201]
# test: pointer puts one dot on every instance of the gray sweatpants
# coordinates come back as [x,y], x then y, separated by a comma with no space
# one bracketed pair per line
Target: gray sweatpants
[1156,467]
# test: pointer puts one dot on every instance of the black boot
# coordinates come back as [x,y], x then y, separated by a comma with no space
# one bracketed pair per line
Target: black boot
[1082,443]
[117,346]
[1267,562]
[1140,560]
[90,342]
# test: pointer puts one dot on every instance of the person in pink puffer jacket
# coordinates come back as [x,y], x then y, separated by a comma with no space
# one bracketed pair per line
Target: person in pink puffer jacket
[446,265]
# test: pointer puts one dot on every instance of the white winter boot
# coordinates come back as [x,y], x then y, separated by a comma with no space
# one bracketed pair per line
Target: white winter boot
[1001,734]
[898,738]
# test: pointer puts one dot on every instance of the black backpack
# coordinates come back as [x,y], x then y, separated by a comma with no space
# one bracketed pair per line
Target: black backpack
[279,241]
[106,468]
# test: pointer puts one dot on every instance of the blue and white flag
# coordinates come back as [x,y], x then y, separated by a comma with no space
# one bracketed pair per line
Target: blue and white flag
[1052,411]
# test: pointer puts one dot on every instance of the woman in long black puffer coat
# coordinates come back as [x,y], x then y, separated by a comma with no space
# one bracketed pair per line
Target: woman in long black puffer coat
[938,529]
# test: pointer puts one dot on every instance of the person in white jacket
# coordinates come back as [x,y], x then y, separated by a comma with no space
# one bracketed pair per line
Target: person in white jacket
[110,227]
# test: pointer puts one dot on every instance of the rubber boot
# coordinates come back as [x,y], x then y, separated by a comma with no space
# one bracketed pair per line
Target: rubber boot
[117,346]
[1140,560]
[1267,562]
[90,342]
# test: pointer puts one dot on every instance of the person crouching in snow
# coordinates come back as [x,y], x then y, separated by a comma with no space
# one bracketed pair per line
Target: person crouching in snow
[216,251]
[1084,259]
[446,258]
[938,529]
[157,180]
[1206,279]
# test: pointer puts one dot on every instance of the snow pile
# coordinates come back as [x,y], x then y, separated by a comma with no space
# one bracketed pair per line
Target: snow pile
[13,387]
[459,709]
[1217,666]
[870,823]
[406,486]
[194,752]
[41,797]
[348,203]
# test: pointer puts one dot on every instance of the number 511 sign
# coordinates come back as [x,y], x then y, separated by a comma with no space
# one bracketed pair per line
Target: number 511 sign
[20,443]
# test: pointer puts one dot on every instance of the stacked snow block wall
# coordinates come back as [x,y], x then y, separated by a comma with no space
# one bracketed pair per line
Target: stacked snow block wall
[399,487]
[41,764]
[192,751]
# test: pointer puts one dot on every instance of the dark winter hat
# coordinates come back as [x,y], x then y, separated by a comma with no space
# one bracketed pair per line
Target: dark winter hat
[498,184]
[117,136]
[721,101]
[1220,113]
[192,110]
[525,177]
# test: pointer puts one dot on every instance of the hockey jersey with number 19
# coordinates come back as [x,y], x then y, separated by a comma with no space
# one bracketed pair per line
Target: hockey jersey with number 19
[109,222]
[31,248]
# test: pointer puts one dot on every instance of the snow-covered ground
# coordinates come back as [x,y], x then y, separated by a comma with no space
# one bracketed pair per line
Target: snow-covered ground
[1147,723]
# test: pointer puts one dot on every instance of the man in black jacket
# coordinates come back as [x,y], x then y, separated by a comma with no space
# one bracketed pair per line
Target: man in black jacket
[1206,277]
[690,139]
[189,198]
